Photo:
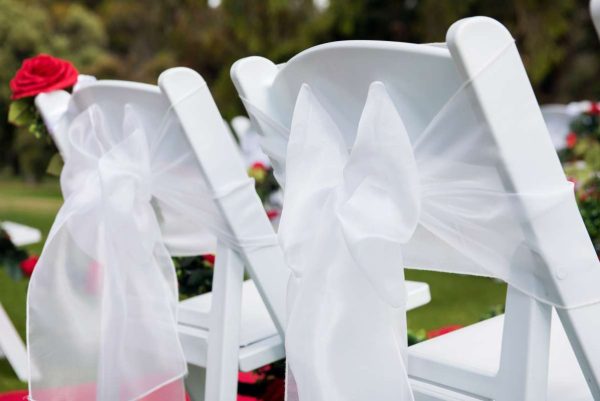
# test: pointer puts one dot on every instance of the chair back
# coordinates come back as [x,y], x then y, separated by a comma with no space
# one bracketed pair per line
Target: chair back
[595,11]
[420,80]
[186,93]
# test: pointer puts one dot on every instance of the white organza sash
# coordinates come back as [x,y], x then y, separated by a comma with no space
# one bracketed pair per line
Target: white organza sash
[102,300]
[439,199]
[343,223]
[469,218]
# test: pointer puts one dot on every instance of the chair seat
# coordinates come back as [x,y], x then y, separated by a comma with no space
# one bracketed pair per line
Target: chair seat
[20,234]
[256,323]
[477,348]
[259,342]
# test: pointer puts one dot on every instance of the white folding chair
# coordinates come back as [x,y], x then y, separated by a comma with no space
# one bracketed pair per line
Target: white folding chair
[505,358]
[248,139]
[558,117]
[595,12]
[210,325]
[11,345]
[232,327]
[20,234]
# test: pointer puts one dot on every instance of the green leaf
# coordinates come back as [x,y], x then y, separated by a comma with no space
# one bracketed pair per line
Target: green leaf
[21,112]
[55,165]
[14,271]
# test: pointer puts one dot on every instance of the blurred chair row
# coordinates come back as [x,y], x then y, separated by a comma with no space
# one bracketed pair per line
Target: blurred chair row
[11,345]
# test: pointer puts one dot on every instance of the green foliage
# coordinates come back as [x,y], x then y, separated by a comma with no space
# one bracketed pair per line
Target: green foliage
[590,211]
[588,199]
[27,28]
[11,256]
[21,112]
[581,162]
[136,40]
[417,336]
[34,151]
[194,275]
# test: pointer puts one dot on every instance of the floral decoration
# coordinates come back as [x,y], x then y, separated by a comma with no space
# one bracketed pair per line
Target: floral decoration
[581,162]
[39,74]
[14,259]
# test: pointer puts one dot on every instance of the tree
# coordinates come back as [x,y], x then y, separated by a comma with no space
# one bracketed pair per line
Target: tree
[28,28]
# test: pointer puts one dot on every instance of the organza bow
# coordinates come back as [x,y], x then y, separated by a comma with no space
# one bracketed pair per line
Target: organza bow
[470,219]
[343,223]
[102,301]
[437,199]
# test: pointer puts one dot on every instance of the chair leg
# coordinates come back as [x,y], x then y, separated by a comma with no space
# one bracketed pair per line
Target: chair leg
[195,382]
[582,326]
[12,347]
[224,334]
[523,373]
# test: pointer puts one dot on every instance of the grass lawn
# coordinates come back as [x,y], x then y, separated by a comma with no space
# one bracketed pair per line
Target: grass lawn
[455,299]
[35,206]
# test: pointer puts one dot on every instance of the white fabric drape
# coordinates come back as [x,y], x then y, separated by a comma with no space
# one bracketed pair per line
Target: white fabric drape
[343,223]
[439,199]
[102,300]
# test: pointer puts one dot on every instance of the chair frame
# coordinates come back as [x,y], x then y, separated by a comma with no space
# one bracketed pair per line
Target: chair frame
[595,13]
[523,370]
[11,344]
[12,347]
[265,265]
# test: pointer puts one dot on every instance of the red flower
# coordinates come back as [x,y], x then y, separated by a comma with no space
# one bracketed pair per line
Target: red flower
[258,166]
[28,265]
[42,73]
[571,140]
[210,259]
[275,390]
[594,109]
[443,330]
[258,171]
[272,214]
[248,377]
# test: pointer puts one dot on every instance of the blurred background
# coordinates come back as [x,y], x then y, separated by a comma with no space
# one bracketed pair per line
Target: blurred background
[137,40]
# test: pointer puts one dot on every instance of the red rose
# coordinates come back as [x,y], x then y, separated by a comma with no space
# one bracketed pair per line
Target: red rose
[42,73]
[594,109]
[28,265]
[210,259]
[443,330]
[571,140]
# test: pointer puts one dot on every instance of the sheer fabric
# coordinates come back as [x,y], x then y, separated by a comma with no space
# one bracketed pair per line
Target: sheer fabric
[446,204]
[470,219]
[346,331]
[102,300]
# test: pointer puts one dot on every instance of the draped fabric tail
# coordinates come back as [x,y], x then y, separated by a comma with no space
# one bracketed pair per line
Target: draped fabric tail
[346,332]
[102,300]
